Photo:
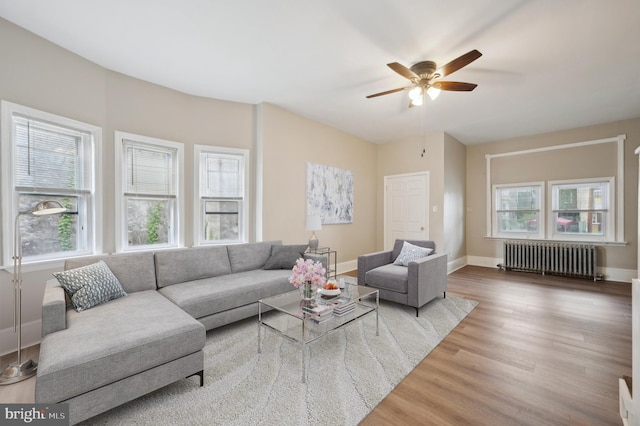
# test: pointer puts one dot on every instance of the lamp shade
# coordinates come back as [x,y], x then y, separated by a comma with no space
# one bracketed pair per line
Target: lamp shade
[48,207]
[314,223]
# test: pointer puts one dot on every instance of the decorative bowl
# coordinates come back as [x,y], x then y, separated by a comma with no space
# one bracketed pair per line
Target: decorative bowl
[326,292]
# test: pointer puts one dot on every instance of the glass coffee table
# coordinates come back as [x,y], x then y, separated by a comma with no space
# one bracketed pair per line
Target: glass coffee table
[303,322]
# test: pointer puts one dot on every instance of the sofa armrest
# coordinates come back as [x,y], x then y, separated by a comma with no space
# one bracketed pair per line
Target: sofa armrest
[54,308]
[427,279]
[367,262]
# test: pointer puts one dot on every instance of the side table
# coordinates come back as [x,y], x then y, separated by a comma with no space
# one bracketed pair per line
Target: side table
[332,259]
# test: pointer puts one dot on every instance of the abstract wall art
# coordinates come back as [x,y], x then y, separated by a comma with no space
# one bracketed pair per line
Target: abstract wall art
[330,193]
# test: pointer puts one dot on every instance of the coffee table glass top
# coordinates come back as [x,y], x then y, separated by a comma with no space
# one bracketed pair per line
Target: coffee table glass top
[290,312]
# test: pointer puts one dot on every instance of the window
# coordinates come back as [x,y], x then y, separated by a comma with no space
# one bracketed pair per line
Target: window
[518,210]
[581,209]
[221,195]
[149,205]
[48,157]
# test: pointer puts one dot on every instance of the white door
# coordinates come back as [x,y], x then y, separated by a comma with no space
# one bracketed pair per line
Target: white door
[406,199]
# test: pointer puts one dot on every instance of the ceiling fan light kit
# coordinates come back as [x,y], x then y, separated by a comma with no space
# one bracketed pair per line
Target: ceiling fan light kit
[424,77]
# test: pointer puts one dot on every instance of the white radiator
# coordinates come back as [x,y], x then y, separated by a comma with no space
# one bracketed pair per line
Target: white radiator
[574,260]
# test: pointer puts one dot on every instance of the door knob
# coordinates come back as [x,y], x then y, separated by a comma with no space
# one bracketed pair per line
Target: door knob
[422,228]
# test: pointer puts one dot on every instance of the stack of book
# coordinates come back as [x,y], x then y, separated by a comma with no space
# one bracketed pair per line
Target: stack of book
[320,313]
[344,309]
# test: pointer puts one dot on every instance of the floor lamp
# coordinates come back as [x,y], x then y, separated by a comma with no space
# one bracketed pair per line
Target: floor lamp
[21,370]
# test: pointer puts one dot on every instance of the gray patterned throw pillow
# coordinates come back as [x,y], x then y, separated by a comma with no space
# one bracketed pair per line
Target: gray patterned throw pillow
[90,285]
[411,253]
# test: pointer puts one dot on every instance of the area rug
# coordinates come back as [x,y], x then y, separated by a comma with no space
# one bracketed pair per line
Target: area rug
[349,372]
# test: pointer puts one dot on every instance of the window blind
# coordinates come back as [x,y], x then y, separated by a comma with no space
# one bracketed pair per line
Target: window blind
[221,176]
[48,157]
[150,170]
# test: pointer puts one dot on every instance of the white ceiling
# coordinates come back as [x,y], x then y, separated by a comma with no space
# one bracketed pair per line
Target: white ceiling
[547,65]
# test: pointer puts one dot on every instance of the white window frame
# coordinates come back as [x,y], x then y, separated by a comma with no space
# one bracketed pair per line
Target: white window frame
[541,209]
[609,234]
[88,211]
[177,226]
[198,207]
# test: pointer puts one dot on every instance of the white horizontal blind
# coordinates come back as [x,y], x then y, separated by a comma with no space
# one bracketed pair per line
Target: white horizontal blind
[221,176]
[48,157]
[150,170]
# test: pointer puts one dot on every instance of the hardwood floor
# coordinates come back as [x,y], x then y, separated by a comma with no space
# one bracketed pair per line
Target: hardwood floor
[537,350]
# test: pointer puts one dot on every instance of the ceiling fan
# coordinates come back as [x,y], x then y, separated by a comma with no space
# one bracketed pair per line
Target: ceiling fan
[424,76]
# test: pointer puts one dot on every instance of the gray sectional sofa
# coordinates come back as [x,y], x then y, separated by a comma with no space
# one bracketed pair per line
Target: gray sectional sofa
[102,357]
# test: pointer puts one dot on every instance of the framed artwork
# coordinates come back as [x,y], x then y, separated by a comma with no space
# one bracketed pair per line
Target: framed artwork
[330,193]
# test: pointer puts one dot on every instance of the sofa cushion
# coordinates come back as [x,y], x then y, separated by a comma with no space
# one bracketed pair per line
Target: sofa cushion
[411,253]
[188,264]
[285,257]
[113,341]
[389,277]
[245,257]
[212,295]
[135,271]
[90,285]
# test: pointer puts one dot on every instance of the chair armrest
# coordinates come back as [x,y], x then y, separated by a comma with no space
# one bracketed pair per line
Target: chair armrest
[427,279]
[54,308]
[367,262]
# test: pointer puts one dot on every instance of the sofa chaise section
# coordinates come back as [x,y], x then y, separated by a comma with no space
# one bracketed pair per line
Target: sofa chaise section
[97,359]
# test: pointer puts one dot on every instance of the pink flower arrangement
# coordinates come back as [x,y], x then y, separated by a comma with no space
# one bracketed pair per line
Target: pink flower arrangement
[308,271]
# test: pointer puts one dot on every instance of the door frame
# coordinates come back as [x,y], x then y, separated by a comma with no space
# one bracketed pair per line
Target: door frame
[388,245]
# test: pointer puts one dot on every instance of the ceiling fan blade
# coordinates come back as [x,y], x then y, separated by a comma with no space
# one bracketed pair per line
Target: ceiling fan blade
[403,71]
[459,62]
[454,86]
[387,92]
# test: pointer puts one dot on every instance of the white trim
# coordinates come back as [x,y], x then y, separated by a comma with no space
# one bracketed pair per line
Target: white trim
[31,333]
[541,208]
[120,177]
[343,267]
[609,232]
[609,274]
[620,190]
[259,179]
[619,140]
[94,167]
[246,201]
[456,264]
[489,196]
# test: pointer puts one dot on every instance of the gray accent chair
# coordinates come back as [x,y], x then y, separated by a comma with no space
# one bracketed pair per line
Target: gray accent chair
[414,285]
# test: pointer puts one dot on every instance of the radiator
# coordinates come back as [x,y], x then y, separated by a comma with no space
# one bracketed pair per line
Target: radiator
[574,260]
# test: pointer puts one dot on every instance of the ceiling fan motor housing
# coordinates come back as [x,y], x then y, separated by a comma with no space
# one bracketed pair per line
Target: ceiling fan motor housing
[424,69]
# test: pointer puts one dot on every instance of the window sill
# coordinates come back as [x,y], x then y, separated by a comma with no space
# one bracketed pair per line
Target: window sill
[542,240]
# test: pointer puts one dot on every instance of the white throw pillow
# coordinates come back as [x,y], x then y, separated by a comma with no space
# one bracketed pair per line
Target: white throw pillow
[411,253]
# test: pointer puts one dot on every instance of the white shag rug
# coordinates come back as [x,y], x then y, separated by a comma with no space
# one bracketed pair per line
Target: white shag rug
[349,372]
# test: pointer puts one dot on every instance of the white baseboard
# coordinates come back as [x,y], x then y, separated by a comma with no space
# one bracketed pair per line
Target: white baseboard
[487,262]
[456,264]
[31,333]
[348,266]
[609,274]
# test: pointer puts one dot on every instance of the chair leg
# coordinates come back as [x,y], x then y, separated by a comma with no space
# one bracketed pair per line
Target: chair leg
[445,295]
